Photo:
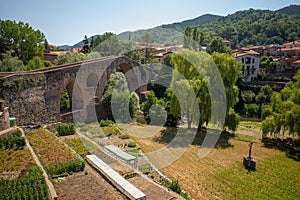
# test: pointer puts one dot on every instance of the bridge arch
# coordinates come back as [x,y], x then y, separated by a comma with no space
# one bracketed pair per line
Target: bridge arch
[92,80]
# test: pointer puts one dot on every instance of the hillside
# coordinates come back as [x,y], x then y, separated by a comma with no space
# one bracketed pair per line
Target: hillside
[168,34]
[290,10]
[255,27]
[243,28]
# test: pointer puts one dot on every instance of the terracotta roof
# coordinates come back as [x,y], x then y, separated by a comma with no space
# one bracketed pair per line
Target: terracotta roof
[292,43]
[290,49]
[250,52]
[296,62]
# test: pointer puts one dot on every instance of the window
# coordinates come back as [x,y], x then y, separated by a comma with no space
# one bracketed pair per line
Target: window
[243,60]
[248,68]
[253,60]
[248,60]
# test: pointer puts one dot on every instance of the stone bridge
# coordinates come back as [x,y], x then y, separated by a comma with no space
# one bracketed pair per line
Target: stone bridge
[33,97]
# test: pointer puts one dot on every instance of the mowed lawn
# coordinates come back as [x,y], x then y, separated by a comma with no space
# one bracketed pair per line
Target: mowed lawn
[221,174]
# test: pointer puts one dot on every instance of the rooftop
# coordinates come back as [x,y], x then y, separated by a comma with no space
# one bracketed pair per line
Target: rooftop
[118,152]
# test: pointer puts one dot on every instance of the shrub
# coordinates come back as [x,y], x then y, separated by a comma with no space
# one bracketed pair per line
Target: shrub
[65,129]
[131,144]
[123,137]
[175,187]
[128,176]
[65,168]
[106,123]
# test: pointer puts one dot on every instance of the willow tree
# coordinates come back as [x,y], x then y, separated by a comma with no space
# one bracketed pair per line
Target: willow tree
[188,78]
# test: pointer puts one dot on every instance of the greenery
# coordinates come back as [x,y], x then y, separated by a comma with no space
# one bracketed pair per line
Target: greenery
[65,129]
[107,122]
[151,101]
[131,175]
[243,28]
[20,39]
[69,57]
[131,144]
[65,100]
[48,148]
[124,137]
[217,45]
[117,96]
[271,180]
[283,113]
[33,186]
[12,141]
[147,168]
[196,83]
[65,168]
[78,145]
[10,63]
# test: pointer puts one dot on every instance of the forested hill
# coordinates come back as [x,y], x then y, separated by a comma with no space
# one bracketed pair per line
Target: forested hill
[290,10]
[243,28]
[255,27]
[168,34]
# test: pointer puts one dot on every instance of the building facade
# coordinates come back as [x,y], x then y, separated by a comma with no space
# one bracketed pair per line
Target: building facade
[249,65]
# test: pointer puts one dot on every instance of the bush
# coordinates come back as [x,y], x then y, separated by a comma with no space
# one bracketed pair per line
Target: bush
[131,144]
[65,129]
[124,137]
[128,176]
[65,168]
[12,141]
[106,123]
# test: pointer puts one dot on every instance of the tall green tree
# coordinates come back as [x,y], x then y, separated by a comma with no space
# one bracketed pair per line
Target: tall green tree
[197,83]
[193,37]
[86,45]
[21,40]
[217,45]
[285,108]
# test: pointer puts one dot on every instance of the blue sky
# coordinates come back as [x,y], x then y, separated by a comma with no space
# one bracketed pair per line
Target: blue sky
[67,21]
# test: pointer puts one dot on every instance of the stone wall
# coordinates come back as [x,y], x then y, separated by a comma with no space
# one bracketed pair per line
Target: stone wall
[34,97]
[4,119]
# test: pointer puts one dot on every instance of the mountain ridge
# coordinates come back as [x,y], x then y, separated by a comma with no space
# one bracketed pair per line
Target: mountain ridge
[171,34]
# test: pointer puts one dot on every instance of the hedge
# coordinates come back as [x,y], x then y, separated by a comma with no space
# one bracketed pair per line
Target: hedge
[65,129]
[65,168]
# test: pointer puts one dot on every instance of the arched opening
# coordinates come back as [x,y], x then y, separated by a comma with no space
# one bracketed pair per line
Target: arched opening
[92,80]
[71,98]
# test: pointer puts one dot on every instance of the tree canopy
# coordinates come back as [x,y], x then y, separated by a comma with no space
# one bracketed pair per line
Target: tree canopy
[283,113]
[21,40]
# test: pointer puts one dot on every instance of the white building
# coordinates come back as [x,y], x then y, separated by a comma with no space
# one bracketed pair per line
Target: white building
[249,64]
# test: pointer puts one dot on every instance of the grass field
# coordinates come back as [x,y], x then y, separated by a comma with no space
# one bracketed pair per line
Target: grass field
[276,178]
[221,174]
[48,148]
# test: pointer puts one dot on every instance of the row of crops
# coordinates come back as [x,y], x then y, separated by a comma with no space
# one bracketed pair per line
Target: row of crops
[33,186]
[57,159]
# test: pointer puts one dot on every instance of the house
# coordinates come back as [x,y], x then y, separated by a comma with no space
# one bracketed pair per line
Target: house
[293,44]
[227,43]
[249,64]
[295,64]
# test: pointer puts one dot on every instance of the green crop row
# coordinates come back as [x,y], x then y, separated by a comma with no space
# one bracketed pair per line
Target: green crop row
[12,141]
[33,186]
[65,129]
[65,168]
